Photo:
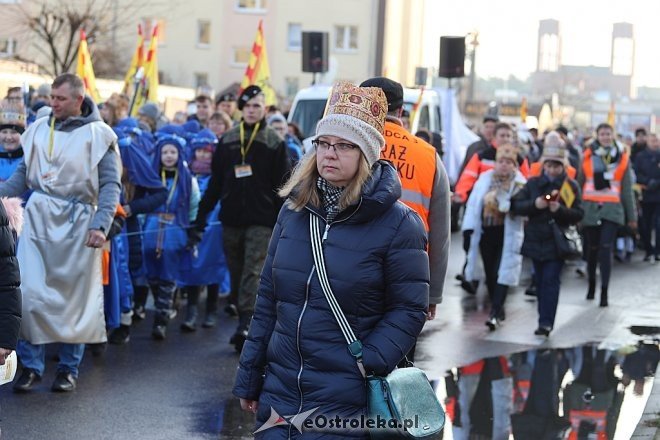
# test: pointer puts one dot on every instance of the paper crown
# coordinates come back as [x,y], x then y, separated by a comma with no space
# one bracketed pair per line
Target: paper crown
[507,151]
[365,103]
[12,113]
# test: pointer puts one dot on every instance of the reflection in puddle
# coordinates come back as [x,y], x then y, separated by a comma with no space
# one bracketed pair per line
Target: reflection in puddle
[576,393]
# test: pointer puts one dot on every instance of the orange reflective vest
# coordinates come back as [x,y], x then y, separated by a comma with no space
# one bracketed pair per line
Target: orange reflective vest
[605,195]
[415,161]
[537,168]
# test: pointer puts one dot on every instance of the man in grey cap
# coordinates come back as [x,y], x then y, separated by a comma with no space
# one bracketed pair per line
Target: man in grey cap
[425,186]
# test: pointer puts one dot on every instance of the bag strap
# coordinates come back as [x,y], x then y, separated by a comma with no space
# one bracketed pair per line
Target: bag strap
[354,344]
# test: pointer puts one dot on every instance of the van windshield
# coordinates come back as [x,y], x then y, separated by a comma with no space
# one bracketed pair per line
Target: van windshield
[307,113]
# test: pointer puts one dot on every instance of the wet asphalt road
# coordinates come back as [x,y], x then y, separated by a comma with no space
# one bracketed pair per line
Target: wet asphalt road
[181,388]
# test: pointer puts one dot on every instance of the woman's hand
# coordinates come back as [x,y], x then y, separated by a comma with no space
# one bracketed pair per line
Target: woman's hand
[249,405]
[541,202]
[554,206]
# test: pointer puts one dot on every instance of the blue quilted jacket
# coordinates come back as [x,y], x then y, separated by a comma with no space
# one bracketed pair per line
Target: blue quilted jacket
[295,358]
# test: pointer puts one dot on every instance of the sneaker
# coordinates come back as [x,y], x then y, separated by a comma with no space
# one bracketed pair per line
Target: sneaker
[492,323]
[542,331]
[120,335]
[209,321]
[159,332]
[28,379]
[64,382]
[231,310]
[139,313]
[647,258]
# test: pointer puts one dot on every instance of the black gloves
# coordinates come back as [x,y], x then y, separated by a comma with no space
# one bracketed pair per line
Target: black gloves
[194,236]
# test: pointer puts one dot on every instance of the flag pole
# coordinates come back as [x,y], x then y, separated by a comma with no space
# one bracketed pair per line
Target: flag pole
[139,74]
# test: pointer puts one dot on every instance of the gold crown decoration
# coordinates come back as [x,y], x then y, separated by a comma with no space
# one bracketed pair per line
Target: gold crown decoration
[507,151]
[12,113]
[367,104]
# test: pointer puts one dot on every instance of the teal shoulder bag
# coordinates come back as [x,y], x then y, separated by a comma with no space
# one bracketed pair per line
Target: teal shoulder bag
[401,405]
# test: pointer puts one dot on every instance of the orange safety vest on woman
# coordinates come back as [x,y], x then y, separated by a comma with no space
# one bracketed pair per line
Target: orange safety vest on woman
[536,169]
[604,195]
[415,162]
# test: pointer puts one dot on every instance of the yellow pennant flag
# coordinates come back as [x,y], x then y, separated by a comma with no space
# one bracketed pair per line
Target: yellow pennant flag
[85,70]
[136,62]
[523,110]
[611,116]
[148,86]
[258,70]
[566,193]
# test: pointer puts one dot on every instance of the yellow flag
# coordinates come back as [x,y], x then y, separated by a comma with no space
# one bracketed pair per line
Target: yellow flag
[566,193]
[136,62]
[148,86]
[611,116]
[258,70]
[85,70]
[523,110]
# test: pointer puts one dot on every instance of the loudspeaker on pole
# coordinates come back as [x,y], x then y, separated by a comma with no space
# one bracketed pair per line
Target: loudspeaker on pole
[315,52]
[452,57]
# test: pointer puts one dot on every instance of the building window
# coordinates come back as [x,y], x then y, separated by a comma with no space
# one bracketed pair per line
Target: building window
[549,53]
[203,33]
[7,46]
[201,79]
[294,37]
[292,85]
[346,38]
[623,55]
[240,56]
[148,25]
[251,5]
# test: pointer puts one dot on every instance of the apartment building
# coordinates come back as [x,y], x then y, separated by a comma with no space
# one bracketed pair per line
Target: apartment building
[208,42]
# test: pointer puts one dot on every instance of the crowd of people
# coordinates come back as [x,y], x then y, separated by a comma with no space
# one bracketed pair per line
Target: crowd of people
[223,202]
[554,198]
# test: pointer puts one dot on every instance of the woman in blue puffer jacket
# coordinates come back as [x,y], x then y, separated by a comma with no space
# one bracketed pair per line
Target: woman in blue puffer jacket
[295,360]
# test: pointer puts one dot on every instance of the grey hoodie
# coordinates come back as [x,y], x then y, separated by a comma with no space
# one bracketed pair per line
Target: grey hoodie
[109,170]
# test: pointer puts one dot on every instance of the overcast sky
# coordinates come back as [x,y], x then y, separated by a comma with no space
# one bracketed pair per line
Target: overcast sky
[508,33]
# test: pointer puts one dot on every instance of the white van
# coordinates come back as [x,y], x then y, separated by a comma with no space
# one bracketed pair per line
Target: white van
[309,104]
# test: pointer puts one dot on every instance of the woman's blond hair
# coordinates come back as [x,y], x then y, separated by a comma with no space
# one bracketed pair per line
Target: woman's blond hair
[301,187]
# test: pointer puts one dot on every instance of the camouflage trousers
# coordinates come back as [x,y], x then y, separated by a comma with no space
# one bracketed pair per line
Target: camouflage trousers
[245,249]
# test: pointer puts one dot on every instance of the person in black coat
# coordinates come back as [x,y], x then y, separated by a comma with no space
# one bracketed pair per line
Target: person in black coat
[540,200]
[647,167]
[11,215]
[296,359]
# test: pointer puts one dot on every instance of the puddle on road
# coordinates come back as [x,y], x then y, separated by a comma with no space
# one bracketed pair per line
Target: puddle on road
[574,393]
[544,394]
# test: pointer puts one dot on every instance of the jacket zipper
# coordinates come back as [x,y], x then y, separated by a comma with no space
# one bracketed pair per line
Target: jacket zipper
[307,288]
[309,280]
[328,225]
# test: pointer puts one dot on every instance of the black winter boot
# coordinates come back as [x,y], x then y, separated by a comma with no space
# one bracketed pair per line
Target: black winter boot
[591,293]
[603,296]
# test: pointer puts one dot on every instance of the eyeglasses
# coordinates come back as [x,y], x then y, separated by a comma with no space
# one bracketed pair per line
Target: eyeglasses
[340,147]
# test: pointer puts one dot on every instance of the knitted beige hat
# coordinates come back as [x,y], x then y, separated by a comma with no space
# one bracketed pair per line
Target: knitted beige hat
[554,148]
[356,114]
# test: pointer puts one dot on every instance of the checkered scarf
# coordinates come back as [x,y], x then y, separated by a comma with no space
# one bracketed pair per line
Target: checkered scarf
[330,196]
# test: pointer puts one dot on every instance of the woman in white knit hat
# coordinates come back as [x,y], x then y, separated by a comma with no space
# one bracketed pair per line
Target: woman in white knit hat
[296,358]
[543,202]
